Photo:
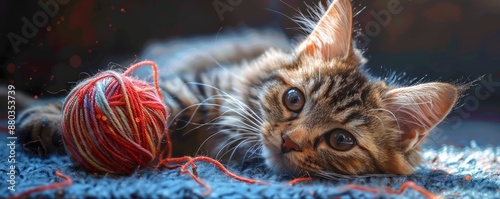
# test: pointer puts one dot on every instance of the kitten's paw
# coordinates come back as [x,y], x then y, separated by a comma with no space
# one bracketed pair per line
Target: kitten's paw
[39,128]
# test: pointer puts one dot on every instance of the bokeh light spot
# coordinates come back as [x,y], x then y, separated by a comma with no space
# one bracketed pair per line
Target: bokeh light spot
[75,61]
[11,68]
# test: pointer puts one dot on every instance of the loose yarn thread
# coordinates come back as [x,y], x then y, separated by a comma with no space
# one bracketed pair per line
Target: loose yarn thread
[190,161]
[56,185]
[402,189]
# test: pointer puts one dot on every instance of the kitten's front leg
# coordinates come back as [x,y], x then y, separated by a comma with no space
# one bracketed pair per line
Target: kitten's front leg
[38,126]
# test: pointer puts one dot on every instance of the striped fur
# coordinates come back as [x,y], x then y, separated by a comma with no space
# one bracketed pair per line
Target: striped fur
[229,105]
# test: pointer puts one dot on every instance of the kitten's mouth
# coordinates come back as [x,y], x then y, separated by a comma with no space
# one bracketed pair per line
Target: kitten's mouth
[276,159]
[278,152]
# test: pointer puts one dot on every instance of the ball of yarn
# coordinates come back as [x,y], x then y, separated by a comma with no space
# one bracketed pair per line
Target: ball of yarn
[113,123]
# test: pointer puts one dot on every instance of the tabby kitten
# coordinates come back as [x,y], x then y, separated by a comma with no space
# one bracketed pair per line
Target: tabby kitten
[309,109]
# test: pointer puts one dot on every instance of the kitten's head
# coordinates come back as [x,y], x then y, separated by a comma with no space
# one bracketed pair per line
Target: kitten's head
[322,113]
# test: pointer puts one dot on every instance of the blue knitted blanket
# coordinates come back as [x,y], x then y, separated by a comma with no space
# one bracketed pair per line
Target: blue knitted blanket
[471,170]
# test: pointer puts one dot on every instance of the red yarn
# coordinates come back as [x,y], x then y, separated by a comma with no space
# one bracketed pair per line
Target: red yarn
[113,123]
[403,188]
[56,185]
[189,161]
[299,180]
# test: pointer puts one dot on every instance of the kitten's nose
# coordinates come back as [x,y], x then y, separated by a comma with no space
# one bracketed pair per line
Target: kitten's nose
[288,145]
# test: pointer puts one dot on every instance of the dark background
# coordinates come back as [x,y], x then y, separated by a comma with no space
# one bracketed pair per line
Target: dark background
[444,40]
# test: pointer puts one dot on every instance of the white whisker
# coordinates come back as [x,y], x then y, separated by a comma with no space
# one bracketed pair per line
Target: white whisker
[218,156]
[335,176]
[254,149]
[240,104]
[246,141]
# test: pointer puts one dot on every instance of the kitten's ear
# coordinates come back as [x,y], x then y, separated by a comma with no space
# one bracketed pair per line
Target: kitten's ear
[420,108]
[332,36]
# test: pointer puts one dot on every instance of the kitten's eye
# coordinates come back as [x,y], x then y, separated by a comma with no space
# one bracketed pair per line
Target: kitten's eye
[294,100]
[341,140]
